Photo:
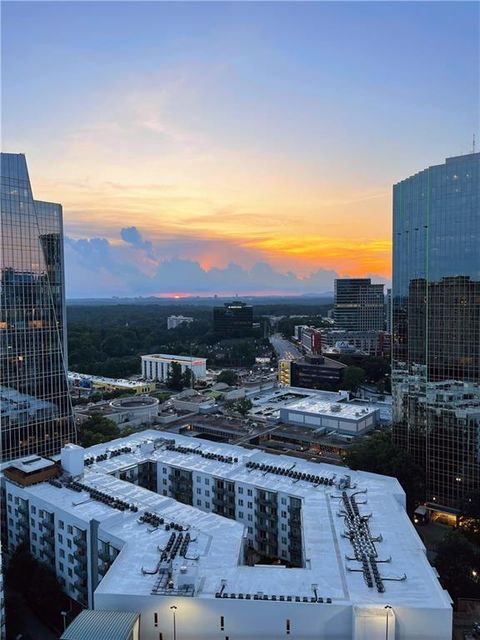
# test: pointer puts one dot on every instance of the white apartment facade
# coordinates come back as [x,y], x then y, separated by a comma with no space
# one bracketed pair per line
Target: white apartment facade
[145,523]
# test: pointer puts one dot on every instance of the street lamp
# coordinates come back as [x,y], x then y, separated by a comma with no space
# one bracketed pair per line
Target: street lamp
[64,616]
[173,609]
[387,610]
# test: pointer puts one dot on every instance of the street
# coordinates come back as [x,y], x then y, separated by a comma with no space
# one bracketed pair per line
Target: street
[284,349]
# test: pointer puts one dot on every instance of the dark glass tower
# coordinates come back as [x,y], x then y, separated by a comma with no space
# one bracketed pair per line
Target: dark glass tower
[36,415]
[436,326]
[359,305]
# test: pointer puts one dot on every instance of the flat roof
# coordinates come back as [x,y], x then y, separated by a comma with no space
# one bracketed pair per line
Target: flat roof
[166,357]
[215,550]
[345,410]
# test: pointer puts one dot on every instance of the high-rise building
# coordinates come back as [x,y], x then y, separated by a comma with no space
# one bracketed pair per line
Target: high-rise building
[36,415]
[359,305]
[233,320]
[436,326]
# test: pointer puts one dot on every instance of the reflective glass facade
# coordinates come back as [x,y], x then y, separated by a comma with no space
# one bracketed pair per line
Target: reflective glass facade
[36,415]
[359,305]
[436,325]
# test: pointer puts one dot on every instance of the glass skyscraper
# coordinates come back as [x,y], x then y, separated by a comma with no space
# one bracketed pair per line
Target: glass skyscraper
[436,326]
[36,414]
[359,305]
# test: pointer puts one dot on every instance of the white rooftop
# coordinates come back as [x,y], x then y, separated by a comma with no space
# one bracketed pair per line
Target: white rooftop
[215,551]
[317,405]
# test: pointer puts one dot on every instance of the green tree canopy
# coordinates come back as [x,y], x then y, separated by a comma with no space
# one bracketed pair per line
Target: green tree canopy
[228,376]
[458,563]
[175,378]
[352,378]
[378,454]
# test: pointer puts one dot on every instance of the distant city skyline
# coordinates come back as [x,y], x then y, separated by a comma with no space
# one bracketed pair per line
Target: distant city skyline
[227,148]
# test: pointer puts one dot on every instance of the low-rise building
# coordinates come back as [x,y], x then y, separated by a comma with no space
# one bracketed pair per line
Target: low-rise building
[157,366]
[340,417]
[175,321]
[236,542]
[372,343]
[311,372]
[102,383]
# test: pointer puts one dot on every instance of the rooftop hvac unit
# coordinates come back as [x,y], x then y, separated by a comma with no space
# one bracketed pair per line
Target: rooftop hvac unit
[335,408]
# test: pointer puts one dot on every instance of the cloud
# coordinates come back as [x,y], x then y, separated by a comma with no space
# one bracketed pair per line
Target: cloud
[97,267]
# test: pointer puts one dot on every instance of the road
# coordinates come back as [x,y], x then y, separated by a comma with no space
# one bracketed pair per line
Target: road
[284,349]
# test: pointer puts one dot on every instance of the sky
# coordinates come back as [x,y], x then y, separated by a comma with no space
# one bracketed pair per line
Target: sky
[226,148]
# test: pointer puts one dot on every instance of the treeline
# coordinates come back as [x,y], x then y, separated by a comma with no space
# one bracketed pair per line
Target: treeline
[109,340]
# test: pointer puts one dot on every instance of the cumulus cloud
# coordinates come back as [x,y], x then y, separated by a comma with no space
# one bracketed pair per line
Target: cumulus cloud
[98,267]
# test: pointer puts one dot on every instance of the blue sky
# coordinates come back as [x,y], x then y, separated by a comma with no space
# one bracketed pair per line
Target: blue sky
[245,133]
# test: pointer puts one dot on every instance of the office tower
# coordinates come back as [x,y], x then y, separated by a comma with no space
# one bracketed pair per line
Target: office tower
[359,305]
[233,320]
[36,414]
[436,326]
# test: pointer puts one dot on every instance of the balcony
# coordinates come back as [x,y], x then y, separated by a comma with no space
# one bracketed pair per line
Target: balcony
[23,510]
[80,541]
[104,555]
[49,525]
[80,572]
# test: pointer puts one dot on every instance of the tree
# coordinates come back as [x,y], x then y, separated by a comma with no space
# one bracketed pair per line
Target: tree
[353,377]
[458,563]
[227,376]
[97,429]
[243,406]
[187,378]
[175,378]
[378,454]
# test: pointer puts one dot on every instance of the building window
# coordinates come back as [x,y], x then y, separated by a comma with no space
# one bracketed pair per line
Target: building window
[70,528]
[70,572]
[222,623]
[34,509]
[240,503]
[240,490]
[287,627]
[240,514]
[249,492]
[61,524]
[62,553]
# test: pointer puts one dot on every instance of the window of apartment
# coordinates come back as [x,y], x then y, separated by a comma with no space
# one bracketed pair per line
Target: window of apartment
[69,543]
[10,522]
[34,509]
[207,481]
[165,481]
[69,529]
[249,517]
[9,508]
[60,564]
[70,572]
[61,524]
[284,514]
[207,505]
[207,493]
[32,522]
[60,538]
[9,497]
[199,491]
[284,540]
[284,501]
[70,558]
[284,527]
[240,502]
[249,492]
[250,505]
[240,490]
[199,503]
[164,471]
[240,514]
[250,530]
[62,553]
